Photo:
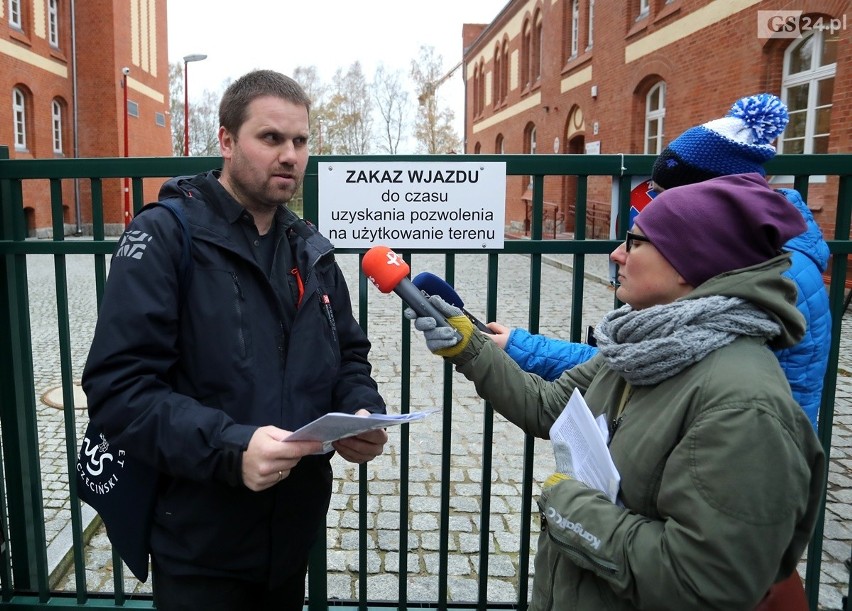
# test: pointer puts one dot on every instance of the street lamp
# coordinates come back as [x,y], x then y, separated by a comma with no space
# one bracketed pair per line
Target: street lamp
[196,57]
[124,72]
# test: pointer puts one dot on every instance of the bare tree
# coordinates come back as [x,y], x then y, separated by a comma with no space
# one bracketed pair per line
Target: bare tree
[350,113]
[204,125]
[176,106]
[433,126]
[308,77]
[392,104]
[203,117]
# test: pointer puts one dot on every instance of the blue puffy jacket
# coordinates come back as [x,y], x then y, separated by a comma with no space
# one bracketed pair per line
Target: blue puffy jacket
[804,364]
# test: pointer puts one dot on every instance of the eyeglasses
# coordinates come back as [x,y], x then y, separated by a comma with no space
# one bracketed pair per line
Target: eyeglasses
[634,237]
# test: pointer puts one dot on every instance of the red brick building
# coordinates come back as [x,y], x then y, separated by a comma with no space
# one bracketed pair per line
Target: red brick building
[63,75]
[628,76]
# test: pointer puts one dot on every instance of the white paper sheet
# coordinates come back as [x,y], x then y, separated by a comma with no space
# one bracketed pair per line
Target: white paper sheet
[577,428]
[337,425]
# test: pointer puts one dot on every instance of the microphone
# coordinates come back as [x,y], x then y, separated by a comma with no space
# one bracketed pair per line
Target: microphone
[433,285]
[386,269]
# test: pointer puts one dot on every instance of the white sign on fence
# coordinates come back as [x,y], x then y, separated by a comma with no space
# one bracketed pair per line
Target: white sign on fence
[413,206]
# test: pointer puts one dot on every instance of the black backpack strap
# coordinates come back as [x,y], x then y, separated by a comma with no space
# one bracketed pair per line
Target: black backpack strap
[174,206]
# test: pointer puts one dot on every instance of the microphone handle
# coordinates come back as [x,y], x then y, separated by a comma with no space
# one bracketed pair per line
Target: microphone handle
[418,302]
[477,323]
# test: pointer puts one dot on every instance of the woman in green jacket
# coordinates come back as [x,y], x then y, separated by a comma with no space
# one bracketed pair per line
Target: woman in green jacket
[721,472]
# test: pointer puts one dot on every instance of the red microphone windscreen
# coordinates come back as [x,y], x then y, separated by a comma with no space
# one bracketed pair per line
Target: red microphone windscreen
[384,268]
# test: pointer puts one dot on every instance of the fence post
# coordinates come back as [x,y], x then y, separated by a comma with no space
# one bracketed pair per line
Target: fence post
[22,488]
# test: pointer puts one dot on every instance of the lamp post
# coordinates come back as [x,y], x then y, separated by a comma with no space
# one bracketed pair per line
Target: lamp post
[124,72]
[196,57]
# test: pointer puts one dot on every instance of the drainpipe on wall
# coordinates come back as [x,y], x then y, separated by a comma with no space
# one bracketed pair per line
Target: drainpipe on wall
[79,224]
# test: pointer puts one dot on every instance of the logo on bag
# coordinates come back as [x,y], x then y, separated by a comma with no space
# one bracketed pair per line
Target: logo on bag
[98,467]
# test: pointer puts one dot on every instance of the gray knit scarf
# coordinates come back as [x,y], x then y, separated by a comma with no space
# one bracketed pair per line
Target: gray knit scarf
[651,345]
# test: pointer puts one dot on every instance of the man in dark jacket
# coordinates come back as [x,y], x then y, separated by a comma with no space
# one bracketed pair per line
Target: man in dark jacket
[205,382]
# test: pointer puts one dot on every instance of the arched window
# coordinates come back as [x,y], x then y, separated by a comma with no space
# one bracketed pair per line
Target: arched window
[591,25]
[498,75]
[655,114]
[808,88]
[500,146]
[526,56]
[56,124]
[19,117]
[535,73]
[504,78]
[482,82]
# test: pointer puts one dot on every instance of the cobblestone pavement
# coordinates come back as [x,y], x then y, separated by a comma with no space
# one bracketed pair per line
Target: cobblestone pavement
[383,474]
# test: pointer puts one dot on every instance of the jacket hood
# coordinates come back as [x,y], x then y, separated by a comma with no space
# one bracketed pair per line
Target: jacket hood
[764,286]
[810,243]
[179,186]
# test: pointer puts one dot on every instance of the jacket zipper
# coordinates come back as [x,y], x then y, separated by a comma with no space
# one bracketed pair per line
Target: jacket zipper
[238,294]
[619,416]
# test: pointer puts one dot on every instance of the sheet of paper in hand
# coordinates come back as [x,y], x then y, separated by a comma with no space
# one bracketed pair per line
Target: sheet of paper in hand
[337,425]
[577,428]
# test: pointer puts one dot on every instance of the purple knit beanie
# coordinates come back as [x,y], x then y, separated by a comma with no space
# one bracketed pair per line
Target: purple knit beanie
[722,224]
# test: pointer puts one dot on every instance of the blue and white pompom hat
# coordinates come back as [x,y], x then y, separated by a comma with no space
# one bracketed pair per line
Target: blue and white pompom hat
[738,143]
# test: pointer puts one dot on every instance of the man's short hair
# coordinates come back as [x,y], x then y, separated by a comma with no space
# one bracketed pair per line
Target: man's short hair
[255,84]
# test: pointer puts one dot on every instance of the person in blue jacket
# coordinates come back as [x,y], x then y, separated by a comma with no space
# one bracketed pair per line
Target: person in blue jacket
[205,382]
[738,143]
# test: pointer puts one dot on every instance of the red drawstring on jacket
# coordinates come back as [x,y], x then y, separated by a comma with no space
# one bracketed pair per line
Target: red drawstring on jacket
[299,284]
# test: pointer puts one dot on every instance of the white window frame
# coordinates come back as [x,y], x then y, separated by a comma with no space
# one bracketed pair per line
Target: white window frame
[56,124]
[575,28]
[644,9]
[655,115]
[810,77]
[19,117]
[15,19]
[532,145]
[53,22]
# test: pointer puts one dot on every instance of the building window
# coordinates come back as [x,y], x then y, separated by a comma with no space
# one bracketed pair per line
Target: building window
[56,123]
[526,61]
[498,75]
[530,145]
[132,108]
[160,119]
[808,88]
[655,114]
[15,14]
[53,22]
[480,94]
[644,9]
[575,28]
[500,147]
[591,25]
[536,48]
[504,78]
[19,114]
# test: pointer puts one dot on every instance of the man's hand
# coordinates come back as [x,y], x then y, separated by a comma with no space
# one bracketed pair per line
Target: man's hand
[268,460]
[500,335]
[364,447]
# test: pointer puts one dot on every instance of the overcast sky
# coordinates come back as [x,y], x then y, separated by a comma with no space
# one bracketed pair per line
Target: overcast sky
[329,34]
